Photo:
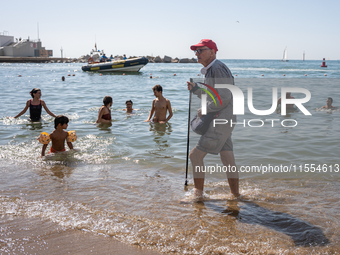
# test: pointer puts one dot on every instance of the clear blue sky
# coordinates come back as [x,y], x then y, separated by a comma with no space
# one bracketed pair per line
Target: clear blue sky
[150,27]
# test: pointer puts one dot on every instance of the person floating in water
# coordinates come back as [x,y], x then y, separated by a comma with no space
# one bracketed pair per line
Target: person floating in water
[289,107]
[329,105]
[128,108]
[160,106]
[104,114]
[58,136]
[35,105]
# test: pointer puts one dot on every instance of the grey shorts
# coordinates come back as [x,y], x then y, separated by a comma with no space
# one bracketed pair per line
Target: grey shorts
[216,139]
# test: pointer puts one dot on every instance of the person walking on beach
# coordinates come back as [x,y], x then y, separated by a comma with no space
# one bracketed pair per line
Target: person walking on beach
[58,136]
[104,114]
[35,105]
[329,105]
[160,106]
[216,139]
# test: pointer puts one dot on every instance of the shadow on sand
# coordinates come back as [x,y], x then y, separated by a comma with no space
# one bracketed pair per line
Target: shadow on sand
[303,233]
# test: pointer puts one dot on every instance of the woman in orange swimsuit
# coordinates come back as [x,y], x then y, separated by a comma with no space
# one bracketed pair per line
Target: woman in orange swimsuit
[104,114]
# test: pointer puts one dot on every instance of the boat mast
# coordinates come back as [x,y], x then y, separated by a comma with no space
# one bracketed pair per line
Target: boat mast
[285,55]
[38,31]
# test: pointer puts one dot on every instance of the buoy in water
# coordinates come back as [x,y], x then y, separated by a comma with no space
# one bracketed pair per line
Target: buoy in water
[284,75]
[19,75]
[323,63]
[100,74]
[262,74]
[305,74]
[73,75]
[235,74]
[174,74]
[69,75]
[198,74]
[325,74]
[123,73]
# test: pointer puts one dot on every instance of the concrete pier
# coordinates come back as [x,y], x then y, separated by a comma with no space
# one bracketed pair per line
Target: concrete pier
[32,59]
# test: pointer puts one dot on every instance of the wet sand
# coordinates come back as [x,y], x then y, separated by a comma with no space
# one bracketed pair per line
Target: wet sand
[19,235]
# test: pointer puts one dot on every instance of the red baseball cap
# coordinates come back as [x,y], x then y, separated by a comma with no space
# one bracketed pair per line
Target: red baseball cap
[205,42]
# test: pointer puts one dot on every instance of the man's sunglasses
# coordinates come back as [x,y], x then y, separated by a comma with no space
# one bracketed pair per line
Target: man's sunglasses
[199,51]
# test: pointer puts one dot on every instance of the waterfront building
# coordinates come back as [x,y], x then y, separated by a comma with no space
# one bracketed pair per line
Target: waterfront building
[22,47]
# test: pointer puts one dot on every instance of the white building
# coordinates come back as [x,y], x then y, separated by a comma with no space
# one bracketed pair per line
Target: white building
[22,47]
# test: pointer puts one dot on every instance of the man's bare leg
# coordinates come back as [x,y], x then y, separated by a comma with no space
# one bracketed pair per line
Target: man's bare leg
[196,157]
[227,158]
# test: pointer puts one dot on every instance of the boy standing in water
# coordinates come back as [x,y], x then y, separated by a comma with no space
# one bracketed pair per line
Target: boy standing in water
[160,106]
[58,136]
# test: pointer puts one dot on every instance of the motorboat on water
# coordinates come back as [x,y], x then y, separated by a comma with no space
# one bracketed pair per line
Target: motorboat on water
[127,65]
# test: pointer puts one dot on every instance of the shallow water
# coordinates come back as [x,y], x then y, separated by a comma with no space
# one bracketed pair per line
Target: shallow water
[126,181]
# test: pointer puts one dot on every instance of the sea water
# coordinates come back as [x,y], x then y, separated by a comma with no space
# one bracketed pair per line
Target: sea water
[126,181]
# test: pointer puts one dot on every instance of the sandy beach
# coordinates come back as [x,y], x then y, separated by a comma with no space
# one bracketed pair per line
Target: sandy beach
[120,192]
[33,236]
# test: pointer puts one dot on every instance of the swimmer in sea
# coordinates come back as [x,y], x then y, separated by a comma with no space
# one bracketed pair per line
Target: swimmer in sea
[329,105]
[160,106]
[289,107]
[128,108]
[35,105]
[104,114]
[58,136]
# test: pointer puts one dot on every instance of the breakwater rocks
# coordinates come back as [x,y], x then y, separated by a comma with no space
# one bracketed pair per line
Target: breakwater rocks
[158,59]
[168,59]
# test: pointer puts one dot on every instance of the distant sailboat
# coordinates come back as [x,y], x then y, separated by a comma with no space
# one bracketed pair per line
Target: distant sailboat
[285,55]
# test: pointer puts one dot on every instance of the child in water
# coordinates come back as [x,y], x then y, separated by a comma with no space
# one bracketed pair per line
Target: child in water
[58,136]
[104,114]
[35,106]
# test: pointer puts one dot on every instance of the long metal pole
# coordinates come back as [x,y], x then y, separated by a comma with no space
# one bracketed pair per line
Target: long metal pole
[187,160]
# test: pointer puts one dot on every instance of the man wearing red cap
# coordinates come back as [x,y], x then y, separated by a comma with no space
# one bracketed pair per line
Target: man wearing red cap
[216,139]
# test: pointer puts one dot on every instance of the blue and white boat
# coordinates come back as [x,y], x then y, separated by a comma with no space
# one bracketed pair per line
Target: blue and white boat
[127,65]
